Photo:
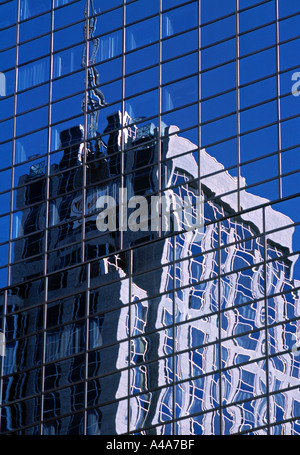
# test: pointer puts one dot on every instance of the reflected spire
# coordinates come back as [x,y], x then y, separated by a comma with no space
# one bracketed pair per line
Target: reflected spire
[95,97]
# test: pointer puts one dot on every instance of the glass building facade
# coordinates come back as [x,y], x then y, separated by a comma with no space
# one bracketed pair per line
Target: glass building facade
[178,328]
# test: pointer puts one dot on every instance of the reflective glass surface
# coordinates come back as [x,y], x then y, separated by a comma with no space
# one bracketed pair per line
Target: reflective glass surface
[149,222]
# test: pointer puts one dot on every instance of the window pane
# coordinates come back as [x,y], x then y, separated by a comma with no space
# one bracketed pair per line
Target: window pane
[141,34]
[29,8]
[33,74]
[180,19]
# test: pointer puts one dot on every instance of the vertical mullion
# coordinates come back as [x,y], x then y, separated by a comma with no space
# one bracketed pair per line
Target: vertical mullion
[86,62]
[8,278]
[238,125]
[219,325]
[279,141]
[199,97]
[47,183]
[121,231]
[129,338]
[159,143]
[86,355]
[4,311]
[122,151]
[174,358]
[14,142]
[265,275]
[86,126]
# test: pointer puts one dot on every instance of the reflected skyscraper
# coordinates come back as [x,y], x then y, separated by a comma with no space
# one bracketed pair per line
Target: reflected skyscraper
[169,331]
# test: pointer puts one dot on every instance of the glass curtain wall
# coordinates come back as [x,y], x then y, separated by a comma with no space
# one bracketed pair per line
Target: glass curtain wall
[174,330]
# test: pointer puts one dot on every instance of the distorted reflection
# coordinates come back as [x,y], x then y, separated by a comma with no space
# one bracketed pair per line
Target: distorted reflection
[159,328]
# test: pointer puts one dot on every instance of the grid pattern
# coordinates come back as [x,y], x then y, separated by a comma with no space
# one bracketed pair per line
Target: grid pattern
[164,332]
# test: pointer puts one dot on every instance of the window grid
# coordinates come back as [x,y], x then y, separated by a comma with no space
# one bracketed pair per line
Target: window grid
[174,264]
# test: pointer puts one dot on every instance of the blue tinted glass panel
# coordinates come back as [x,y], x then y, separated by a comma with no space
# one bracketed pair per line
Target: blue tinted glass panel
[219,130]
[218,106]
[218,80]
[7,37]
[68,85]
[257,16]
[31,145]
[34,49]
[218,31]
[143,106]
[141,34]
[140,10]
[288,8]
[109,21]
[180,93]
[103,5]
[110,46]
[180,67]
[72,13]
[8,14]
[6,130]
[180,45]
[288,54]
[68,36]
[260,170]
[67,61]
[214,9]
[290,132]
[289,28]
[35,27]
[258,39]
[29,8]
[33,74]
[8,59]
[179,20]
[138,60]
[6,155]
[141,81]
[257,66]
[259,143]
[32,121]
[218,54]
[258,92]
[171,3]
[6,108]
[32,98]
[258,116]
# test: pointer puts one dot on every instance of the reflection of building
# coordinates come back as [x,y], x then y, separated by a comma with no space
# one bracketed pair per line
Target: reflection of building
[172,305]
[147,332]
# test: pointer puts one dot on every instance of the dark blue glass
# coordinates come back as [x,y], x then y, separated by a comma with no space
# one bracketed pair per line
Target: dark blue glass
[218,31]
[287,54]
[288,8]
[256,40]
[258,116]
[142,33]
[179,19]
[67,37]
[180,45]
[140,10]
[257,16]
[257,66]
[29,8]
[72,13]
[259,143]
[8,59]
[215,9]
[218,54]
[8,13]
[34,49]
[35,27]
[258,92]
